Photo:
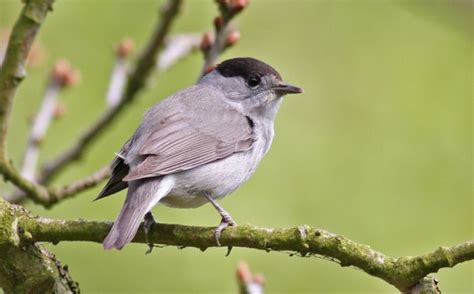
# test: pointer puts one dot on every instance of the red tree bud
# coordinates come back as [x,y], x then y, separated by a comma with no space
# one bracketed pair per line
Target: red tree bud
[206,42]
[125,48]
[218,22]
[64,74]
[243,273]
[232,38]
[237,5]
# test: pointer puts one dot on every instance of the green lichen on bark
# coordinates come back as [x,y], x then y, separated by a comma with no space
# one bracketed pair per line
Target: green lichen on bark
[26,267]
[403,273]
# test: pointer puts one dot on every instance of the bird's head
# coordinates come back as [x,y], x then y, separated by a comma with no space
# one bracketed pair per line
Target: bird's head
[253,86]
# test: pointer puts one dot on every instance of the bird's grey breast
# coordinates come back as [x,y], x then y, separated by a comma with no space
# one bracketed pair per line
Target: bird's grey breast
[220,177]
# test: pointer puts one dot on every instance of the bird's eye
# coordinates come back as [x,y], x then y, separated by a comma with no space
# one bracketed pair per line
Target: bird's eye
[254,82]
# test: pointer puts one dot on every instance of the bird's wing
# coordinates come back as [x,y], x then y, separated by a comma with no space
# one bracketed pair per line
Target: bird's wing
[119,170]
[191,133]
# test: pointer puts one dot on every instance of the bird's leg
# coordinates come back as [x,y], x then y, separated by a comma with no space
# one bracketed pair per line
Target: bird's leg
[225,221]
[149,221]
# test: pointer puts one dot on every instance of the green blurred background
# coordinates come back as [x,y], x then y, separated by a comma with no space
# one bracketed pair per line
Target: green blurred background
[378,148]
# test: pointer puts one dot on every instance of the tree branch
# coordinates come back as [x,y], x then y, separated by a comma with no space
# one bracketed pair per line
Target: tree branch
[13,68]
[212,49]
[403,273]
[176,48]
[48,196]
[136,81]
[27,267]
[78,186]
[61,77]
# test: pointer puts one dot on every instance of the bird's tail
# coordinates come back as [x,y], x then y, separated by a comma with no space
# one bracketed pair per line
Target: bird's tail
[142,196]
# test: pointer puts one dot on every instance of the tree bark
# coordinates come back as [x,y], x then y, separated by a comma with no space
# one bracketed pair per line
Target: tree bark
[27,267]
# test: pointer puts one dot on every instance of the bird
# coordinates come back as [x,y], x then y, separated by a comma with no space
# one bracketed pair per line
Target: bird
[197,145]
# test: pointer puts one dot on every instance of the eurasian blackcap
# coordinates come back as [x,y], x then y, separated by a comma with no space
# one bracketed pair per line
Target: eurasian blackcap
[197,146]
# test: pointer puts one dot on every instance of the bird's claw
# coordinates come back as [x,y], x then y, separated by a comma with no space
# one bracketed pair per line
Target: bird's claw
[225,222]
[148,223]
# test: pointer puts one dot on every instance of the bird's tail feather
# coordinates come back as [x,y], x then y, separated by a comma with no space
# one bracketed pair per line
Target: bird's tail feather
[141,197]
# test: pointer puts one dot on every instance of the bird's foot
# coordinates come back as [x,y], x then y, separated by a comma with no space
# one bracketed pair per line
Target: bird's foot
[225,222]
[148,223]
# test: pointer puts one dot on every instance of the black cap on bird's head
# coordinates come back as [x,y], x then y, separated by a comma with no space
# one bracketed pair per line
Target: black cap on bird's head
[252,71]
[245,67]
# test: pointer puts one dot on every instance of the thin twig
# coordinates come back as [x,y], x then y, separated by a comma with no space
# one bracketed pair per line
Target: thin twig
[61,76]
[249,283]
[49,196]
[119,72]
[12,72]
[177,47]
[38,193]
[223,36]
[13,68]
[135,82]
[403,273]
[80,185]
[39,125]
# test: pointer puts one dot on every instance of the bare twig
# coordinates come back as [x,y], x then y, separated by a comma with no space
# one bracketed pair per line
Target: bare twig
[403,273]
[20,261]
[39,125]
[80,185]
[249,283]
[224,36]
[50,196]
[12,73]
[61,77]
[13,69]
[119,73]
[35,192]
[135,82]
[177,47]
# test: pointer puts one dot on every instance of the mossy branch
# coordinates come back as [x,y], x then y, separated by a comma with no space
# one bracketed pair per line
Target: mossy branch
[24,267]
[404,273]
[12,72]
[13,69]
[27,267]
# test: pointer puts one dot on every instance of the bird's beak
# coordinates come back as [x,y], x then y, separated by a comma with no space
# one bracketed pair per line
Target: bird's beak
[288,89]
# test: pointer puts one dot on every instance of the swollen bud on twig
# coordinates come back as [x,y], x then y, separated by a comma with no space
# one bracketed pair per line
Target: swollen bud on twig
[249,283]
[206,42]
[237,5]
[118,77]
[218,22]
[64,75]
[232,38]
[244,275]
[125,48]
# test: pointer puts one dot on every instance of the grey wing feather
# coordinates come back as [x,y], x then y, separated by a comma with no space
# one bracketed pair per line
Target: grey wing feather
[119,170]
[189,134]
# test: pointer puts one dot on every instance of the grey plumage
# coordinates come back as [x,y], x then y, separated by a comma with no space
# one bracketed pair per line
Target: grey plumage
[208,138]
